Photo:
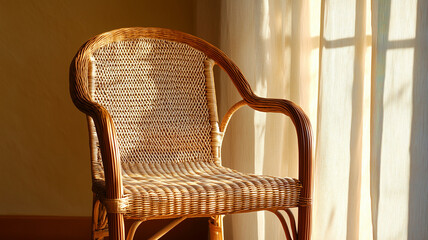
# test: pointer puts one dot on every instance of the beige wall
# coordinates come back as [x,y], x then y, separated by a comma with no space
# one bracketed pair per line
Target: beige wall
[44,161]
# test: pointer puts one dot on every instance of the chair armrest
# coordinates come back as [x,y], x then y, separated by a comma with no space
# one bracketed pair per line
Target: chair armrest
[228,115]
[304,136]
[303,130]
[105,129]
[299,118]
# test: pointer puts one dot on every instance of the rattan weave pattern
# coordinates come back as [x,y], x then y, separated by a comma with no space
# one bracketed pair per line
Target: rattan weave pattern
[161,190]
[155,91]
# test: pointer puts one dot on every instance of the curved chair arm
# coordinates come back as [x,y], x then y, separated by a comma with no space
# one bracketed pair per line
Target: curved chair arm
[304,135]
[303,130]
[103,123]
[299,118]
[301,123]
[228,115]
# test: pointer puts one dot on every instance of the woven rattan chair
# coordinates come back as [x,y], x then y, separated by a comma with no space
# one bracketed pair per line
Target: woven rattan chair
[155,138]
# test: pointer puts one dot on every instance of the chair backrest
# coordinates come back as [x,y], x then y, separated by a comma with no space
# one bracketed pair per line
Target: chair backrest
[160,95]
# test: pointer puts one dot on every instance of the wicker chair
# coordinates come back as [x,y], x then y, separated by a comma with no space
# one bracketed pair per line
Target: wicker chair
[155,138]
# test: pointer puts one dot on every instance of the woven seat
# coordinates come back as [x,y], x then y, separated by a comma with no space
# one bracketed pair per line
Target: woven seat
[173,190]
[156,138]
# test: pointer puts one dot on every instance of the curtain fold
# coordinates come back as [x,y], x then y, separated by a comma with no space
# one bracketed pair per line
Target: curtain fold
[358,69]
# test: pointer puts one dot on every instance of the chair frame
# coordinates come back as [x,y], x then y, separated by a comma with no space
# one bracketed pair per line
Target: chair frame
[79,71]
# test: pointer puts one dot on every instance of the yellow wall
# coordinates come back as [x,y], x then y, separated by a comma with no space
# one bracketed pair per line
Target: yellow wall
[44,152]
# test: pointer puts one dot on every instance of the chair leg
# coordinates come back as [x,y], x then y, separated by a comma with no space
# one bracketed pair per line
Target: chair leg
[284,224]
[292,223]
[116,226]
[304,228]
[132,230]
[216,227]
[99,220]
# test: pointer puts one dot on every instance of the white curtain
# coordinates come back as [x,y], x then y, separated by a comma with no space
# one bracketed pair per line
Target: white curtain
[359,70]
